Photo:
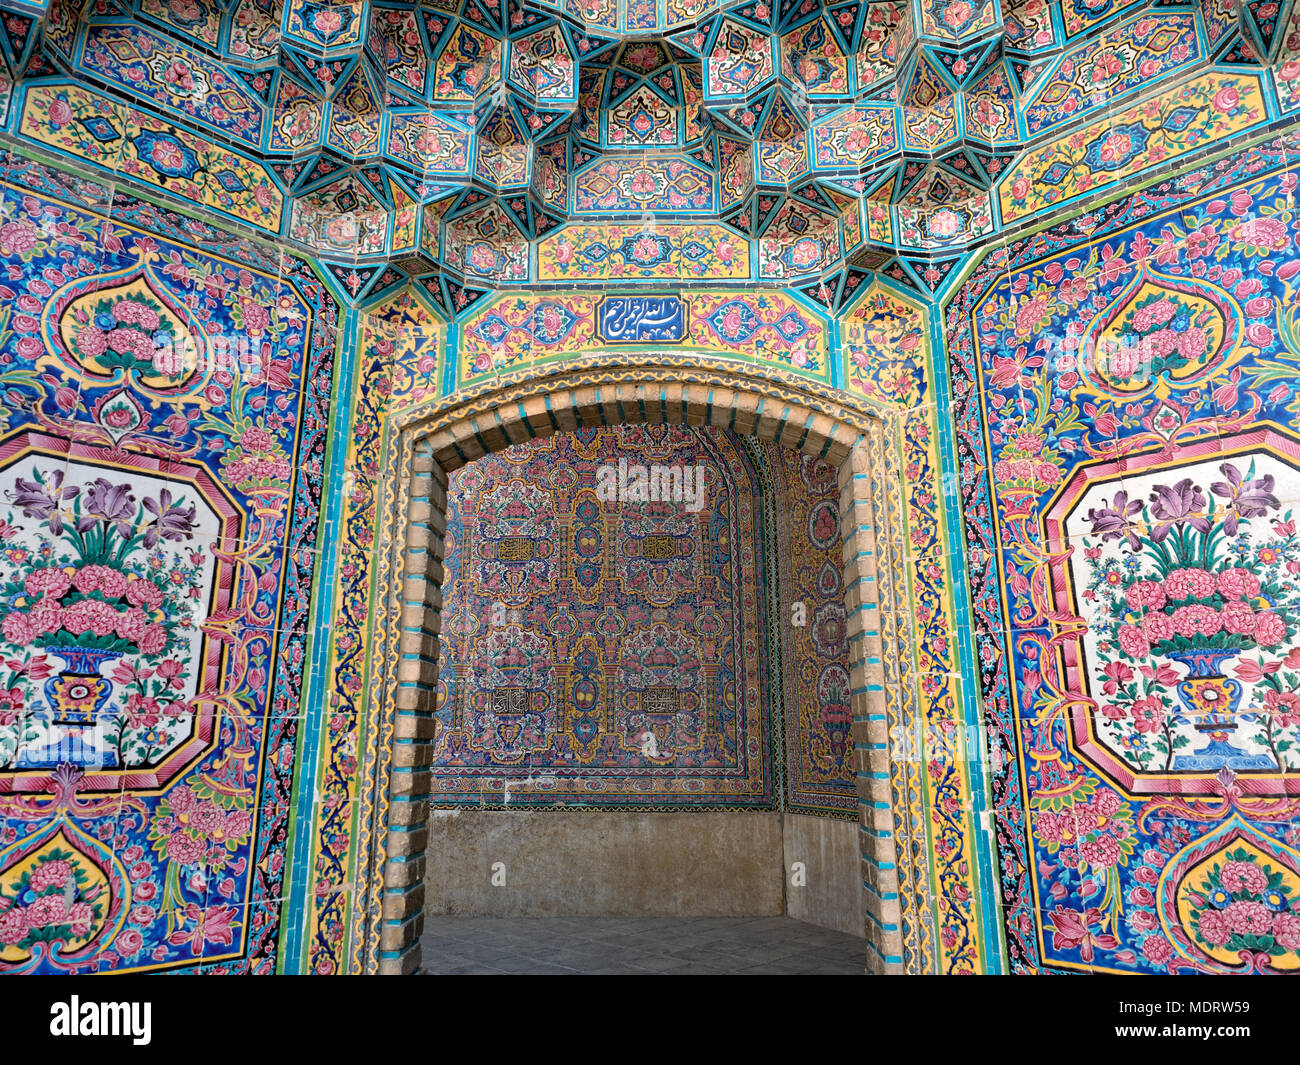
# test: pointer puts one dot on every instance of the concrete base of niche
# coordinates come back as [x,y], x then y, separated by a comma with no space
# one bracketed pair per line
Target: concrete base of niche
[522,863]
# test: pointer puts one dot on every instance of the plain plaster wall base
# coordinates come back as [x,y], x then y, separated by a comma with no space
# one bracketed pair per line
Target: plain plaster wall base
[611,864]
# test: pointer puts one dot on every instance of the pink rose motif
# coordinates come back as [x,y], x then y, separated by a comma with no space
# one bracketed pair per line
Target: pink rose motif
[1259,334]
[129,943]
[1020,188]
[958,15]
[327,22]
[60,112]
[1157,949]
[1226,100]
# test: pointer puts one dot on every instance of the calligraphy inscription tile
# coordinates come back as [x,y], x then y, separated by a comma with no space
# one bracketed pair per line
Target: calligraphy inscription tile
[660,546]
[510,701]
[514,549]
[642,319]
[661,701]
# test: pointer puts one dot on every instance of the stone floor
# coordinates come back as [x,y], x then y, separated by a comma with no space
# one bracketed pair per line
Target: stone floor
[627,945]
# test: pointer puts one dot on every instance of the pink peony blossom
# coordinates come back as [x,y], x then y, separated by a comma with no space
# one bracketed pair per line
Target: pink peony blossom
[17,629]
[153,640]
[1238,583]
[1158,627]
[143,592]
[1238,617]
[1213,927]
[256,439]
[1102,852]
[1196,619]
[48,910]
[1244,876]
[1199,584]
[51,581]
[1249,918]
[91,341]
[1146,594]
[51,874]
[1286,930]
[1132,642]
[45,616]
[131,624]
[14,926]
[184,848]
[1270,630]
[104,579]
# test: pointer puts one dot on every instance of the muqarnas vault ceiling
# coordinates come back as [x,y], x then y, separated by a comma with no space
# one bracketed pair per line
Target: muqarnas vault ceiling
[479,144]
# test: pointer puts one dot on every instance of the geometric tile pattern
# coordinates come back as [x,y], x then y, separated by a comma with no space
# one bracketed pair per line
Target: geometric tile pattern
[829,140]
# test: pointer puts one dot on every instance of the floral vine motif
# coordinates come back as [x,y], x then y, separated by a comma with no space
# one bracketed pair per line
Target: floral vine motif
[101,587]
[1195,586]
[200,826]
